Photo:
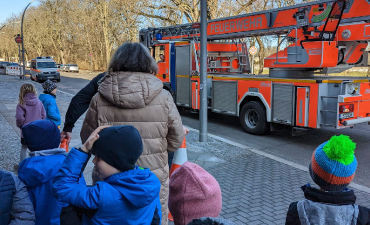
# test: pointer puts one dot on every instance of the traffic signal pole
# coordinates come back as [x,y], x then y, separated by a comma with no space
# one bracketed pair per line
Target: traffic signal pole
[203,73]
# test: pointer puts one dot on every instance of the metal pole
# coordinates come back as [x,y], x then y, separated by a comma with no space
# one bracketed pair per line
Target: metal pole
[252,64]
[203,73]
[24,65]
[19,53]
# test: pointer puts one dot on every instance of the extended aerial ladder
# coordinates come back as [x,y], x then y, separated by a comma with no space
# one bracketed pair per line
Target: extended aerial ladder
[324,34]
[328,36]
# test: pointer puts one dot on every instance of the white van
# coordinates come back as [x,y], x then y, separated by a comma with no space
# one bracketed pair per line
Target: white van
[43,68]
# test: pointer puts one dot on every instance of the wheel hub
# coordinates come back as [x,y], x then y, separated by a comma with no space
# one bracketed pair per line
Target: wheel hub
[251,118]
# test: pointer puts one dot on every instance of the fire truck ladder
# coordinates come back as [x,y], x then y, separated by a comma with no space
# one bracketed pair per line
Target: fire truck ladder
[327,112]
[330,107]
[336,12]
[242,52]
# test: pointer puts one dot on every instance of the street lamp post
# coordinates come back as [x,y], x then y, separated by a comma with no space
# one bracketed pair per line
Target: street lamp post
[203,112]
[24,65]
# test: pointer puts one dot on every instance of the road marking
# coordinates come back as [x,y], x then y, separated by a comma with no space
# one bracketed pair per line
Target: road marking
[72,95]
[276,158]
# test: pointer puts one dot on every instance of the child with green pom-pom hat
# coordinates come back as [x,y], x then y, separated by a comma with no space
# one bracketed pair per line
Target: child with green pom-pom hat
[332,168]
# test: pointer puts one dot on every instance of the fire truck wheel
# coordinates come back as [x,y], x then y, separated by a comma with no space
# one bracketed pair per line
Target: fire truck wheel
[253,118]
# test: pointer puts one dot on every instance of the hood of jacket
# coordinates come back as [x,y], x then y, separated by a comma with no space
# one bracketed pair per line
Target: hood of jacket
[30,99]
[139,186]
[130,90]
[321,207]
[39,169]
[43,97]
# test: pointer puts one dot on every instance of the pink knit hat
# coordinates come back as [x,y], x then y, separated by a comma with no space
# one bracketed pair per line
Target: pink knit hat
[194,193]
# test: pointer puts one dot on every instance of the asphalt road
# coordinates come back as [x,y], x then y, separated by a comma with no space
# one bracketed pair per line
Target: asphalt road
[279,143]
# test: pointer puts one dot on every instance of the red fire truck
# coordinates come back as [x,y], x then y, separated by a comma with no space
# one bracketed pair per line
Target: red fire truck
[324,37]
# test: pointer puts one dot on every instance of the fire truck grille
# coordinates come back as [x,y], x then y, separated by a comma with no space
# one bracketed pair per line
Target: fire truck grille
[282,103]
[225,96]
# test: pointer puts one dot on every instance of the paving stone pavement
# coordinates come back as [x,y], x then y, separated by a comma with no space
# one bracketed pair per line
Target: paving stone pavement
[255,189]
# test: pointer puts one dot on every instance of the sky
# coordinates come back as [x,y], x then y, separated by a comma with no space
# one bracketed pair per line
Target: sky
[9,7]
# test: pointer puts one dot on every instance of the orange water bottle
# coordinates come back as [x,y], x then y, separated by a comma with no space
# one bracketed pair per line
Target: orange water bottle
[64,144]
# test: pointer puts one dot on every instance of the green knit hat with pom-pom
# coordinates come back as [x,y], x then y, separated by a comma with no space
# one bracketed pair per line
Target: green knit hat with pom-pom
[333,164]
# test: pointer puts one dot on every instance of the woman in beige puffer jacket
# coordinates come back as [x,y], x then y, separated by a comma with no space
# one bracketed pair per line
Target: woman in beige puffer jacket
[131,95]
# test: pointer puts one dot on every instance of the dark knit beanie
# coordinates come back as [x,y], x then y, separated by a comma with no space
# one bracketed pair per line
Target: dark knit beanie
[119,146]
[41,135]
[49,86]
[333,163]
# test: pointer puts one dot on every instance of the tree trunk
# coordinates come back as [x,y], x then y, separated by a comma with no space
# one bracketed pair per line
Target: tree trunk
[261,54]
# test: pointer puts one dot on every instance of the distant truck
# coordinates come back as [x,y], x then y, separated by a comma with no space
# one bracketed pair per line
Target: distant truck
[44,68]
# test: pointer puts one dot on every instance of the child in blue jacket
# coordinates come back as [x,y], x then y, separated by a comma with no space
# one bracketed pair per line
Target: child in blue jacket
[126,195]
[48,99]
[42,138]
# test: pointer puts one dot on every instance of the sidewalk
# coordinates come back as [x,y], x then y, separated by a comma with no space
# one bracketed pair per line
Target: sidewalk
[255,189]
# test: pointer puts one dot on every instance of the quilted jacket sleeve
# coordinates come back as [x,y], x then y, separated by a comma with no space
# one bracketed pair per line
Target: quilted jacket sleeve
[176,133]
[66,186]
[91,120]
[22,209]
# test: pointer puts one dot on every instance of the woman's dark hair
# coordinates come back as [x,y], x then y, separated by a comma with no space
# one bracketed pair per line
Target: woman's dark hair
[133,57]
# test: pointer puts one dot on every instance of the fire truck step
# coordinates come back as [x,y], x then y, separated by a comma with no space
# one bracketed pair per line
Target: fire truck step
[332,111]
[329,97]
[327,125]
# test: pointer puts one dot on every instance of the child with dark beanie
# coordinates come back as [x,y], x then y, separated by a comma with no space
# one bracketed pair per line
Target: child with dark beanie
[127,194]
[48,99]
[42,138]
[332,168]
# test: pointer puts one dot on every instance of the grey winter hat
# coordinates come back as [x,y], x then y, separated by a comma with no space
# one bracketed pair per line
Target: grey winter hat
[49,86]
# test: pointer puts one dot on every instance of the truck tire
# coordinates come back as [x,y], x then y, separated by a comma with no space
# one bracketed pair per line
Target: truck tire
[253,118]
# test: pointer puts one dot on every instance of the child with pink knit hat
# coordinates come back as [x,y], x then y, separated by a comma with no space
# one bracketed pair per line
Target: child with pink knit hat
[194,195]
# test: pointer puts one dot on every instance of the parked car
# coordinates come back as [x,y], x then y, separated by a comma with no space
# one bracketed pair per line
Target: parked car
[62,67]
[72,68]
[43,68]
[3,64]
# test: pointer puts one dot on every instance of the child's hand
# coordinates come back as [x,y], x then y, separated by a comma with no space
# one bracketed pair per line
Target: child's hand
[185,129]
[87,146]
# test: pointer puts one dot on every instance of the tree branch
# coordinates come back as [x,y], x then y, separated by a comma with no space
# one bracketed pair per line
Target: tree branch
[157,17]
[243,6]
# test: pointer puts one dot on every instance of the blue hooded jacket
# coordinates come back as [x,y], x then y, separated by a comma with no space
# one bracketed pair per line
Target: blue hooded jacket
[51,108]
[126,198]
[38,172]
